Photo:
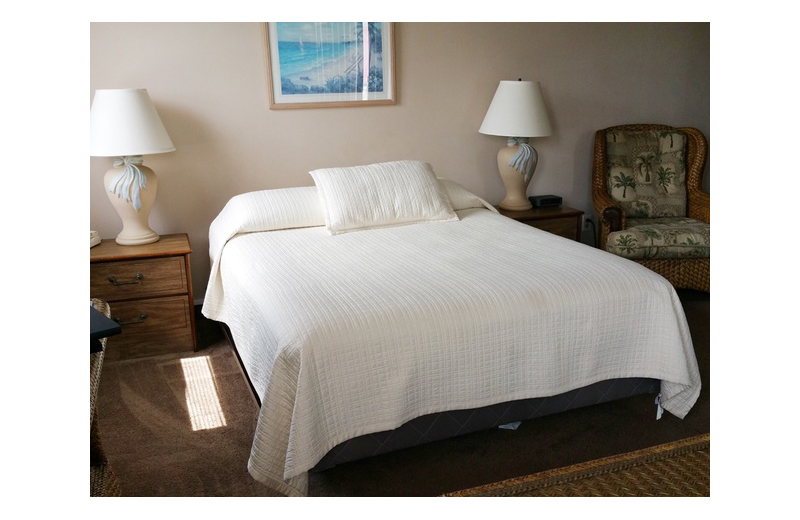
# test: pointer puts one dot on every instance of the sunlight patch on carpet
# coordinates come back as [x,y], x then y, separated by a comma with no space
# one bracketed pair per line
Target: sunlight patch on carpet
[202,400]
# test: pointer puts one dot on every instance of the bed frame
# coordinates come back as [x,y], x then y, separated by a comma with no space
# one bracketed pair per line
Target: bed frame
[445,425]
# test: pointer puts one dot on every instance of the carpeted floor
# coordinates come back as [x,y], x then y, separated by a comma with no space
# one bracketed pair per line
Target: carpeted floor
[147,431]
[149,438]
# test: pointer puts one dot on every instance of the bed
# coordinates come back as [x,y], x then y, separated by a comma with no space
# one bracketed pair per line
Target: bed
[383,295]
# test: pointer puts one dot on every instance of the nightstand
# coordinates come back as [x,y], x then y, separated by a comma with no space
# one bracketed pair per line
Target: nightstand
[149,290]
[563,221]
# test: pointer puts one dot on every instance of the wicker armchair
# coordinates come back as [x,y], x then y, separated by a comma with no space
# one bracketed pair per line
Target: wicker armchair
[631,213]
[102,480]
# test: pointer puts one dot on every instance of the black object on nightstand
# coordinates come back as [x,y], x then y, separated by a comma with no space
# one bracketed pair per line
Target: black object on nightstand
[545,201]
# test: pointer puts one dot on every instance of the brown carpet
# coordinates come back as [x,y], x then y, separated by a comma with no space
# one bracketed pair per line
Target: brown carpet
[148,433]
[675,469]
[149,440]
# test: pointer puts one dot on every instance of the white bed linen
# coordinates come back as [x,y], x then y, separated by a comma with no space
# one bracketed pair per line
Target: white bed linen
[356,333]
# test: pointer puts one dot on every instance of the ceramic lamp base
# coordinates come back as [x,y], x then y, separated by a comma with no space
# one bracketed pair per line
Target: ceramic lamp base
[135,227]
[516,198]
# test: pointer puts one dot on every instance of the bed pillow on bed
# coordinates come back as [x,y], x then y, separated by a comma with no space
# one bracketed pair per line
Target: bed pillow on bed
[381,195]
[461,198]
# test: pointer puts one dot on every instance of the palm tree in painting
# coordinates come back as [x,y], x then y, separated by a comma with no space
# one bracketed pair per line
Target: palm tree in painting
[624,181]
[375,73]
[374,34]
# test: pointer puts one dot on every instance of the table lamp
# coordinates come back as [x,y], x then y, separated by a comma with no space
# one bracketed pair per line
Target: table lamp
[125,126]
[517,112]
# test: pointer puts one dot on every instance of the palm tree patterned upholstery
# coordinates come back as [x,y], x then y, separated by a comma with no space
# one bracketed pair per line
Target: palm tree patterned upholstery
[646,192]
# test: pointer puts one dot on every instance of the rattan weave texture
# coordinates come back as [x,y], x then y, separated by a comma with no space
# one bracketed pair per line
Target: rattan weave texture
[102,481]
[677,469]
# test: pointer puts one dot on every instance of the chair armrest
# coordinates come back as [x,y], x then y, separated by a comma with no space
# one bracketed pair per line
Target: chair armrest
[609,213]
[700,206]
[615,218]
[699,202]
[611,218]
[607,209]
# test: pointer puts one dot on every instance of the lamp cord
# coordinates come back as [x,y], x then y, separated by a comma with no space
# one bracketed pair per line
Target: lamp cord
[129,181]
[594,232]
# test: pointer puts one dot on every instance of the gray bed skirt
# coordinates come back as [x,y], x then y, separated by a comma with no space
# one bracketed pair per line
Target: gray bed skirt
[445,425]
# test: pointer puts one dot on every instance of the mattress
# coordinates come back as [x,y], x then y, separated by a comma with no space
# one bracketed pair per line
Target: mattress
[347,335]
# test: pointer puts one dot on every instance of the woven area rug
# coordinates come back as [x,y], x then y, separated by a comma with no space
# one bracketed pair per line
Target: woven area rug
[680,468]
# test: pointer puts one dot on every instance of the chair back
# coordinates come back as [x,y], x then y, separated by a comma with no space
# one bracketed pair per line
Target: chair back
[646,171]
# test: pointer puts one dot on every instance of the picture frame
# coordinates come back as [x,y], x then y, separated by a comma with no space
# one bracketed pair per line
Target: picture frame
[321,64]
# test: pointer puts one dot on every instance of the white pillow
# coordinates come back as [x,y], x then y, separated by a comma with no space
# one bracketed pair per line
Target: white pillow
[461,198]
[381,195]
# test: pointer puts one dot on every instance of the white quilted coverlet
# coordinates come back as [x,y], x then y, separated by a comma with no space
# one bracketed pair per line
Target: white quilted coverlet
[356,333]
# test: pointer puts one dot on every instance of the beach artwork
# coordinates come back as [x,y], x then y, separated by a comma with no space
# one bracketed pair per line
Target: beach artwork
[330,62]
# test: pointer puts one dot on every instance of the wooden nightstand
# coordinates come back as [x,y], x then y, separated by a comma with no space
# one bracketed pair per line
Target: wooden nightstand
[149,291]
[564,221]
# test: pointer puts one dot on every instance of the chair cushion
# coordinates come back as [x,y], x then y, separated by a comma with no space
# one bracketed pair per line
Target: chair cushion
[647,172]
[661,238]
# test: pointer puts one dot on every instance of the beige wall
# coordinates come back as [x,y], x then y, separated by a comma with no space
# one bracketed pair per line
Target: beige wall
[208,81]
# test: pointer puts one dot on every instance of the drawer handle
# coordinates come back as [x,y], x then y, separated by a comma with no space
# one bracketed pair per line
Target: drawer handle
[136,279]
[142,317]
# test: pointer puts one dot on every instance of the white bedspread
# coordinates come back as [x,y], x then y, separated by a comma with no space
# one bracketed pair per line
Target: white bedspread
[356,333]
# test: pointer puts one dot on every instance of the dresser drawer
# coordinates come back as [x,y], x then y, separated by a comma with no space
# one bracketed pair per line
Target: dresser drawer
[151,327]
[561,220]
[143,278]
[566,227]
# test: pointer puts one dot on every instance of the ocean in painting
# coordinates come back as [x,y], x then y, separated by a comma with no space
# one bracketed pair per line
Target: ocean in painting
[298,59]
[310,66]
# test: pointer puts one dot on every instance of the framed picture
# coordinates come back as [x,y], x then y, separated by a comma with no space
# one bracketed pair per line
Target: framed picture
[330,64]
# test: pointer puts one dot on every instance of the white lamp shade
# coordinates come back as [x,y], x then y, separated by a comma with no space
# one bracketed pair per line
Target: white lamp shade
[517,110]
[124,122]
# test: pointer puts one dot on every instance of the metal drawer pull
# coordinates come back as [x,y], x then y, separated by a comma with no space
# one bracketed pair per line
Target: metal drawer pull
[136,279]
[142,317]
